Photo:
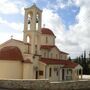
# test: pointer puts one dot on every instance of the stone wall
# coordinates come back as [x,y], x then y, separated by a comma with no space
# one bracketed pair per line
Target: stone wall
[25,84]
[44,85]
[70,85]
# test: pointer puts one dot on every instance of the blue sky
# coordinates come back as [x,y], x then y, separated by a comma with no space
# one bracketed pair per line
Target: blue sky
[68,19]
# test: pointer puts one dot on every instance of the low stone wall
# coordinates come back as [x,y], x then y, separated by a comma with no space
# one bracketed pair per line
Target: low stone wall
[25,84]
[70,85]
[44,85]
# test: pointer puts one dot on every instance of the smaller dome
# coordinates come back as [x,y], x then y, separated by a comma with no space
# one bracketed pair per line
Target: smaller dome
[47,31]
[11,53]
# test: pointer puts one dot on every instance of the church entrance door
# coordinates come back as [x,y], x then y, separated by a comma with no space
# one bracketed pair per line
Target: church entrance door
[36,74]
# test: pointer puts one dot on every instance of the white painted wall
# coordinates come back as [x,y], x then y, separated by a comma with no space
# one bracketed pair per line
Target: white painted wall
[54,76]
[55,54]
[10,69]
[51,39]
[27,71]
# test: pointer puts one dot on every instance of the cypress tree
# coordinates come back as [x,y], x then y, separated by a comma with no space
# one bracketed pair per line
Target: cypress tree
[69,58]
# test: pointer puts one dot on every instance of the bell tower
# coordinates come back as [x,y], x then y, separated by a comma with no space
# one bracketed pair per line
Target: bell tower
[32,26]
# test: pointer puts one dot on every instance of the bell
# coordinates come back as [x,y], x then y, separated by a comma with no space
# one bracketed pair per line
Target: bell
[36,20]
[28,21]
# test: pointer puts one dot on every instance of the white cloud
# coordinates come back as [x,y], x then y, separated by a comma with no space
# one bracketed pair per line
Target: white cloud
[64,38]
[12,7]
[6,36]
[65,5]
[7,7]
[22,11]
[77,38]
[11,27]
[80,32]
[52,21]
[82,2]
[35,1]
[60,4]
[2,21]
[16,26]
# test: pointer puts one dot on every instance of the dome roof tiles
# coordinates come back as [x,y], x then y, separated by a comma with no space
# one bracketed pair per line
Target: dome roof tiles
[47,31]
[10,53]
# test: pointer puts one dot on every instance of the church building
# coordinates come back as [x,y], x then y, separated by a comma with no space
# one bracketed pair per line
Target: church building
[37,56]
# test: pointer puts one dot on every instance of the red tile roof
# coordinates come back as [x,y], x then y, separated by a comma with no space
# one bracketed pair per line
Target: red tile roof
[47,31]
[66,63]
[10,53]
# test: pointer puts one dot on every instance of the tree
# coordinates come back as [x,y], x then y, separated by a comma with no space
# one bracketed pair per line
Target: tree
[88,63]
[89,56]
[82,60]
[69,58]
[76,60]
[84,63]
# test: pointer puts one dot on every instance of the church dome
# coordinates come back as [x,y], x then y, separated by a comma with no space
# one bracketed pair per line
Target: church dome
[47,31]
[10,53]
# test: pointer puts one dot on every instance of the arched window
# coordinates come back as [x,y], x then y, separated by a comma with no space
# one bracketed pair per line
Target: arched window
[50,72]
[28,39]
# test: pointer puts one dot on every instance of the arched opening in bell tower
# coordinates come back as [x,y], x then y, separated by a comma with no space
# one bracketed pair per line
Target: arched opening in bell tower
[37,21]
[29,20]
[28,39]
